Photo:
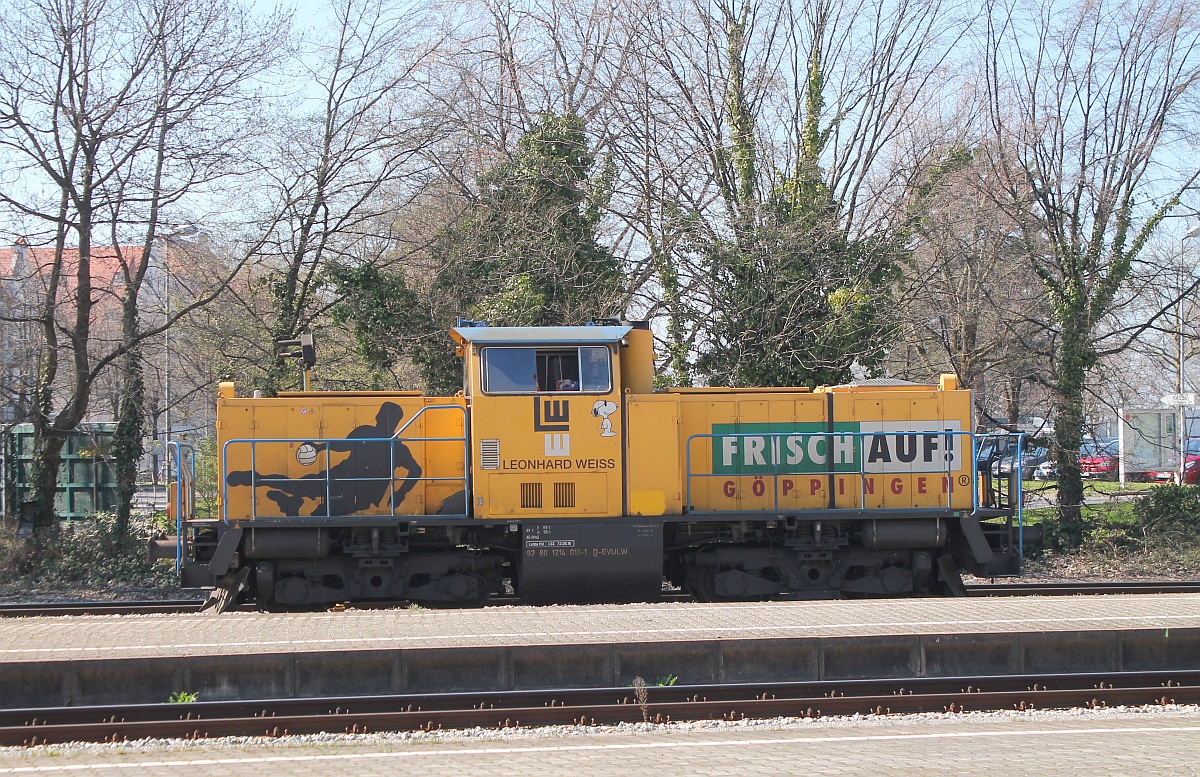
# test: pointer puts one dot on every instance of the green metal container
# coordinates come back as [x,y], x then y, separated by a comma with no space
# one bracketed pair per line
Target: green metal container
[86,481]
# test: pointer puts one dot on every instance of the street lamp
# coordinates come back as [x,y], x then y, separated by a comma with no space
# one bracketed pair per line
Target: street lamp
[168,239]
[1181,421]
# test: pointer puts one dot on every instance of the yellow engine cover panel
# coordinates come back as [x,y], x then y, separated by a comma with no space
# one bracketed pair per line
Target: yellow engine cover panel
[745,454]
[915,449]
[654,470]
[337,455]
[889,447]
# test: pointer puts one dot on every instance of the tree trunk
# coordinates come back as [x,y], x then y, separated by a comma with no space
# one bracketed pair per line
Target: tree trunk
[1074,356]
[127,446]
[46,458]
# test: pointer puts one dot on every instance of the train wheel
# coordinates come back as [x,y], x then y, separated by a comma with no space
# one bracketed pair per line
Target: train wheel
[454,591]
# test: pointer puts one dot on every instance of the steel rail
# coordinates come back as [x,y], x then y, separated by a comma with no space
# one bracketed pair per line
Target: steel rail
[594,706]
[1085,588]
[29,610]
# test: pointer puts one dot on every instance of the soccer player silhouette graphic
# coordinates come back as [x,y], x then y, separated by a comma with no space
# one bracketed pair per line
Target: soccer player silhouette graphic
[357,483]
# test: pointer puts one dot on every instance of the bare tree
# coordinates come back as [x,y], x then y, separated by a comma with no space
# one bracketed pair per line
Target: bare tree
[795,109]
[970,305]
[107,114]
[1090,106]
[339,170]
[1157,307]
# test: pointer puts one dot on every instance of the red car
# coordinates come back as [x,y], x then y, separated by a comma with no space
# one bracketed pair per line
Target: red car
[1099,460]
[1191,466]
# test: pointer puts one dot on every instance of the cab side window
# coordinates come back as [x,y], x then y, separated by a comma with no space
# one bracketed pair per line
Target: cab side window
[558,370]
[596,367]
[542,370]
[510,370]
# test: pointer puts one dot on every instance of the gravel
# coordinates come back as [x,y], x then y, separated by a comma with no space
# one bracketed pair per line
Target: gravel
[542,733]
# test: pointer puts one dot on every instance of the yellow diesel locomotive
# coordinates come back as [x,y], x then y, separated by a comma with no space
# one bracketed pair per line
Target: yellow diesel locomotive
[559,474]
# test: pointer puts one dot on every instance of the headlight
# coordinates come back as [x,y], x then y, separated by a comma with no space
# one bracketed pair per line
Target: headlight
[1190,465]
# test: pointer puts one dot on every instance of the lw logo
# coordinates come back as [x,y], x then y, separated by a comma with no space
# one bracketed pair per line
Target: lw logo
[558,445]
[551,415]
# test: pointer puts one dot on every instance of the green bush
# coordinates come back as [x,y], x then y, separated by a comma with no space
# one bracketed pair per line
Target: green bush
[87,553]
[1169,511]
[1163,514]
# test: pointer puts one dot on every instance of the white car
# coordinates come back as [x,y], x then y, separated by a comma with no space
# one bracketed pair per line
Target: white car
[1045,471]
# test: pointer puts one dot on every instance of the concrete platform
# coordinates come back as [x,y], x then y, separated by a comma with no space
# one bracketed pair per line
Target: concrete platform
[144,636]
[117,659]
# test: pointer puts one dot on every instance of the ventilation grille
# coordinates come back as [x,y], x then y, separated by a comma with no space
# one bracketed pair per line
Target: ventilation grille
[489,454]
[564,494]
[531,495]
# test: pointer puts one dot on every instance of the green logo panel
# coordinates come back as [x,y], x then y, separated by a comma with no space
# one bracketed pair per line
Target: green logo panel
[784,448]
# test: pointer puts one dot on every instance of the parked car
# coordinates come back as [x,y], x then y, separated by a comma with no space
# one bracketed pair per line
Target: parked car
[1047,470]
[1191,465]
[987,453]
[1098,459]
[1031,459]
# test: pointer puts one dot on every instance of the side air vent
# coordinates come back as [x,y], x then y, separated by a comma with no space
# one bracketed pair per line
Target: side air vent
[489,454]
[564,494]
[531,495]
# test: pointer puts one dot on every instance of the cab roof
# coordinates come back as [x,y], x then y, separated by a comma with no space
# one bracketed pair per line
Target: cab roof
[538,335]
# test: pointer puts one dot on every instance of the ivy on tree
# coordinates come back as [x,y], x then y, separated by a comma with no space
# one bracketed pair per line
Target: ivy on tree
[523,253]
[794,300]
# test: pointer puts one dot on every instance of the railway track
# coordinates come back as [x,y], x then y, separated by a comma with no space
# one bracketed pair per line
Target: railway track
[22,610]
[990,589]
[427,712]
[1085,588]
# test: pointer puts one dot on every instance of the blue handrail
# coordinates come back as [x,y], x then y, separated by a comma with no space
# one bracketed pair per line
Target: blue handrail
[177,452]
[1019,468]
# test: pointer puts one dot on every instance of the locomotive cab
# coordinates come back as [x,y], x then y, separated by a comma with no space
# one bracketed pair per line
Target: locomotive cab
[548,441]
[546,421]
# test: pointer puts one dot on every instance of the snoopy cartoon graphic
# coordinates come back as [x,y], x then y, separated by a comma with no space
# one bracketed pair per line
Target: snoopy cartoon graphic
[602,410]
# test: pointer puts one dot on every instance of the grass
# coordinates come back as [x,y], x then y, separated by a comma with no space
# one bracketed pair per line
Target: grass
[1114,487]
[1089,486]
